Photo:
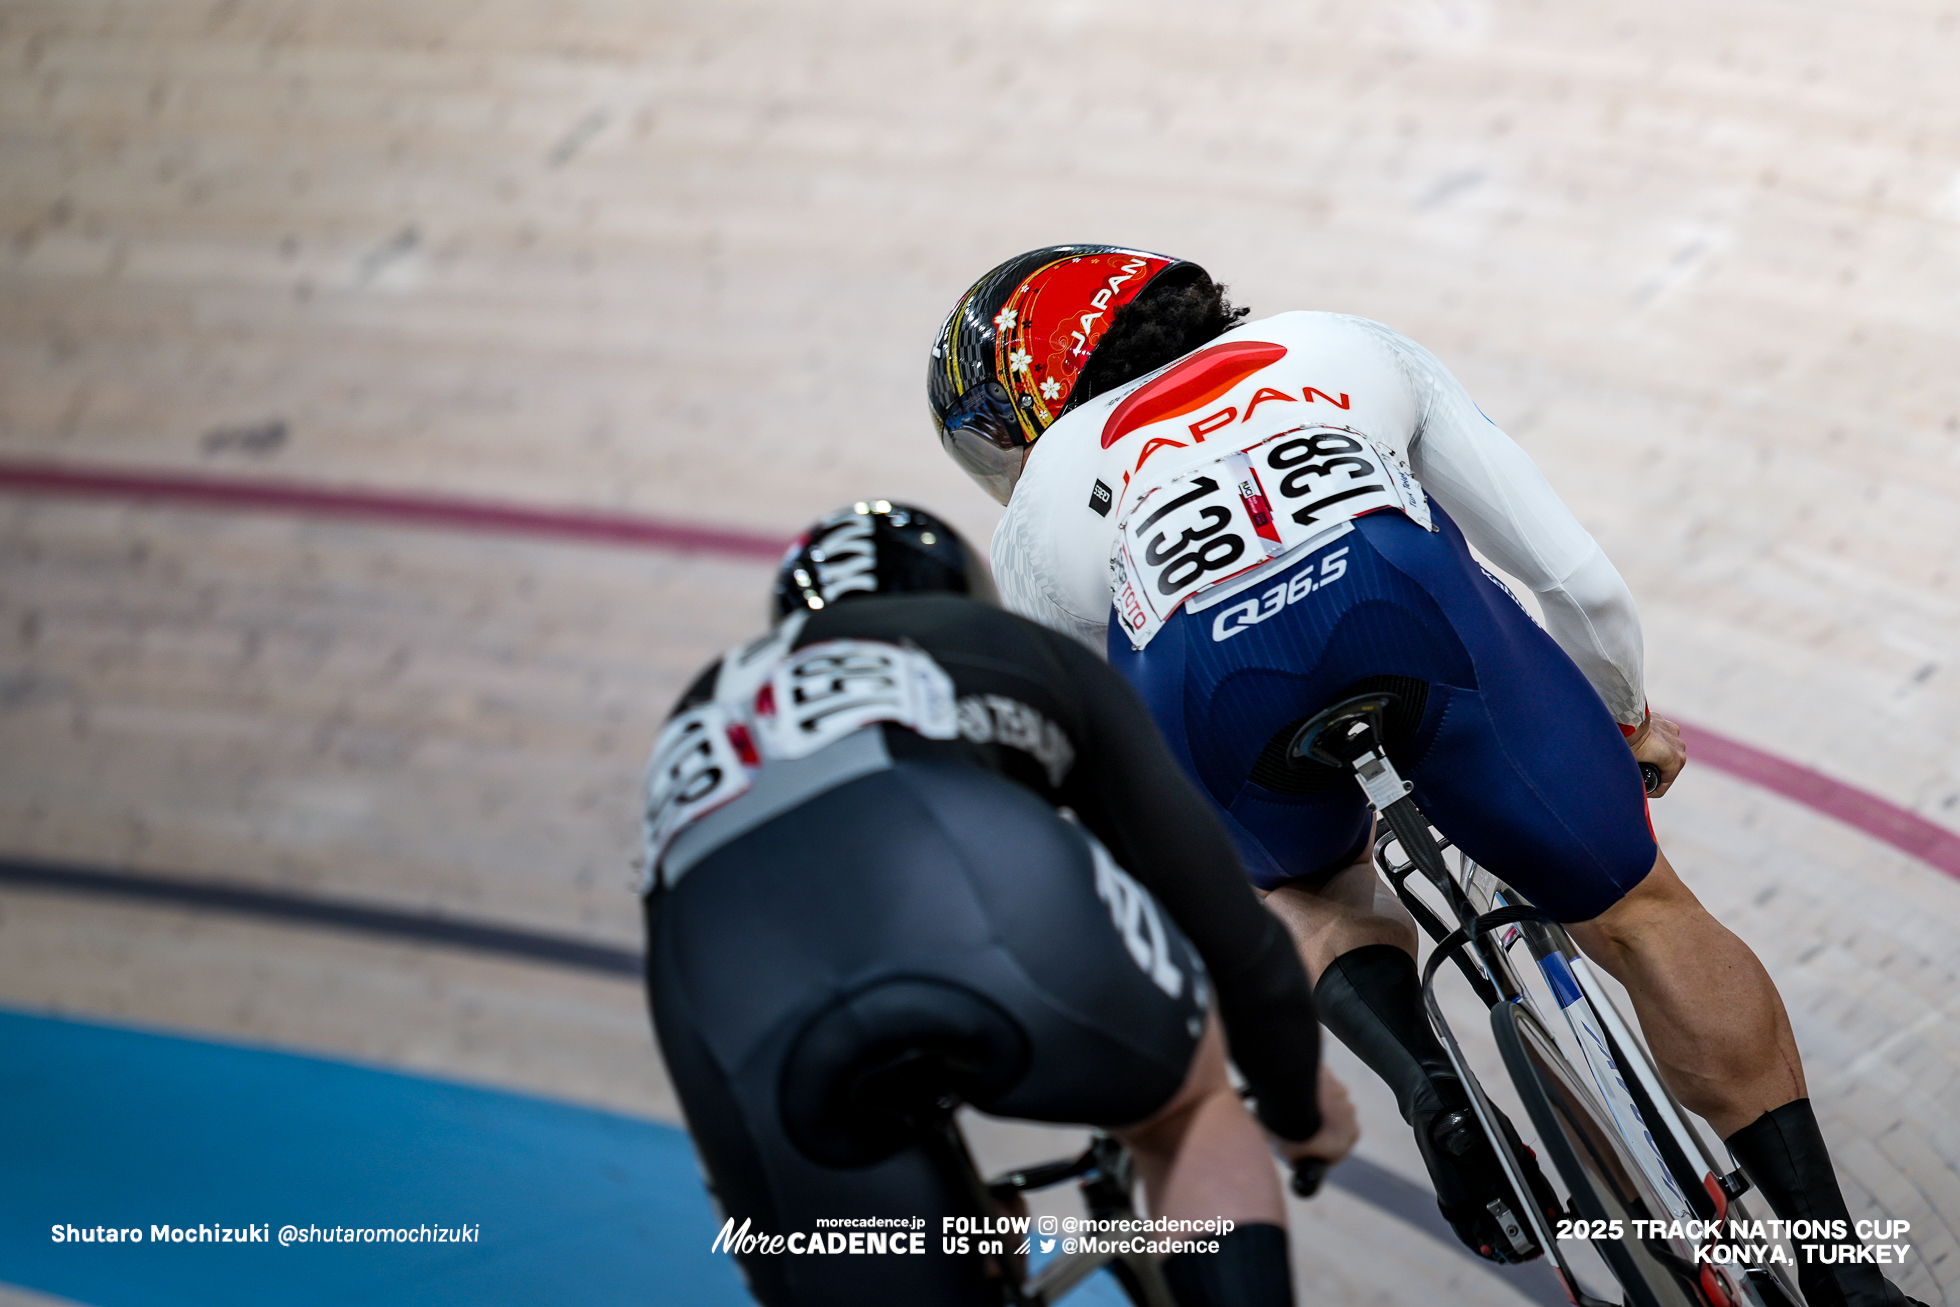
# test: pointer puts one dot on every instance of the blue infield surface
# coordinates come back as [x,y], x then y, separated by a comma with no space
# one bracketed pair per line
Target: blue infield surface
[101,1126]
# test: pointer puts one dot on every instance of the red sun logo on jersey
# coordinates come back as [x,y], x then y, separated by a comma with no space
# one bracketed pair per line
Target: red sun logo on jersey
[1190,385]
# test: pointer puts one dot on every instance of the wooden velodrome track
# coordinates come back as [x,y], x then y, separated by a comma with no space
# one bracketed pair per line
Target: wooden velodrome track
[682,261]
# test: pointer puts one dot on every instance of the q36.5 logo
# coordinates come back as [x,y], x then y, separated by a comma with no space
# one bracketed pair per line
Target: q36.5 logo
[1250,612]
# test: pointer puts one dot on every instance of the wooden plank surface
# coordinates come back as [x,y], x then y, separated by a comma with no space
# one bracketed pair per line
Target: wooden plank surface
[686,259]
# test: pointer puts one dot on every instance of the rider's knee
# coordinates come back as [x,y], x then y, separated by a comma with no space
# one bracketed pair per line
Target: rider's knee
[1658,899]
[1341,915]
[1656,909]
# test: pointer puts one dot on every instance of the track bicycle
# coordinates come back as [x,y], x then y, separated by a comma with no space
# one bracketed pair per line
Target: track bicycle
[1617,1137]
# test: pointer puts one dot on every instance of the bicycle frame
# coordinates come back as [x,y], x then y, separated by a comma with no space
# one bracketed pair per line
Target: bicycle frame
[1622,1087]
[1672,1154]
[1603,1041]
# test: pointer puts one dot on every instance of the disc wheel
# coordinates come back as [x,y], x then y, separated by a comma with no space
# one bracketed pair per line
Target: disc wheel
[1605,1182]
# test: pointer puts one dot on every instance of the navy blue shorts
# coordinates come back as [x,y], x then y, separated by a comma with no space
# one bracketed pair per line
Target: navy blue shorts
[1513,755]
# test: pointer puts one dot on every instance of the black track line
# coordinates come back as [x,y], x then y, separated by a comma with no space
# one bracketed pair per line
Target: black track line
[1377,1186]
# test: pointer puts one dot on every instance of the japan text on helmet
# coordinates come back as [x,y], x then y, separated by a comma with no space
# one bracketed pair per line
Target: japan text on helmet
[1009,356]
[877,547]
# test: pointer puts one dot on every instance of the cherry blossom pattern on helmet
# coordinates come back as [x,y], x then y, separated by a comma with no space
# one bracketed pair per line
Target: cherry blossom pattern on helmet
[1009,356]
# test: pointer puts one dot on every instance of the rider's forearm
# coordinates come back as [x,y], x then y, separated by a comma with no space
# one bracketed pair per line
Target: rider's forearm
[1273,1033]
[1161,829]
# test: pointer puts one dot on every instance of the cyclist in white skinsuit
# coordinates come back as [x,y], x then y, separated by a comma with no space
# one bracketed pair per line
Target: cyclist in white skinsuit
[1051,559]
[1253,521]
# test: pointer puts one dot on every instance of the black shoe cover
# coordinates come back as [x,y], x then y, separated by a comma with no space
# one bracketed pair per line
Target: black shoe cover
[1371,998]
[1471,1188]
[1784,1154]
[1248,1270]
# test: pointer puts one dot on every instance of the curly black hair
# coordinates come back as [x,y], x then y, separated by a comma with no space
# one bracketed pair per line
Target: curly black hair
[1163,323]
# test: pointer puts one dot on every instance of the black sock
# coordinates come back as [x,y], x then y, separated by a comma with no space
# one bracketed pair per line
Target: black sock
[1248,1270]
[1784,1155]
[1371,998]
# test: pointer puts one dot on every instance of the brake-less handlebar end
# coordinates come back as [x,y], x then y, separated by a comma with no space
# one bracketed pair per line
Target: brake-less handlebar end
[1650,776]
[1308,1172]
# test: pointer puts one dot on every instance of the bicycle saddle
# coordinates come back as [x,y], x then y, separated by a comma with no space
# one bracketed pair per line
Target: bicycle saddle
[869,1069]
[1336,736]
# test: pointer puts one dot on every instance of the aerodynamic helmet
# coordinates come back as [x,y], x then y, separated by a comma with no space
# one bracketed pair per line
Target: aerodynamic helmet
[1011,352]
[877,547]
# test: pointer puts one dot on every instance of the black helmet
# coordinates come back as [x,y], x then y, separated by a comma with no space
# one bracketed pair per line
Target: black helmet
[878,547]
[1010,353]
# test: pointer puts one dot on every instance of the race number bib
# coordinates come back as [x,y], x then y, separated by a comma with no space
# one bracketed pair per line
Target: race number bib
[696,768]
[823,692]
[776,705]
[1208,524]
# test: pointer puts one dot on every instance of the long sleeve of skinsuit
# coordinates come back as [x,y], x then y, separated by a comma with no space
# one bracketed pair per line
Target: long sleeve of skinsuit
[1161,829]
[1507,509]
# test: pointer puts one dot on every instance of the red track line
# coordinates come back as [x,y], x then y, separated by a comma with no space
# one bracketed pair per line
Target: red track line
[251,494]
[1930,843]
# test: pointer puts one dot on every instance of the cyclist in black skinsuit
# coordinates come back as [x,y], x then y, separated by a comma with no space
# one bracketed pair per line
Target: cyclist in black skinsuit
[910,846]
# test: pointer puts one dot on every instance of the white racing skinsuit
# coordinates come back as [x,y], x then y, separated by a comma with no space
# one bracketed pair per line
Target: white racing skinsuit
[1051,550]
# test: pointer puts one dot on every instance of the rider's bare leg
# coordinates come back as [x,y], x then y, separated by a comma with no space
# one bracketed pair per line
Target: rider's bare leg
[1709,1010]
[1202,1156]
[1351,909]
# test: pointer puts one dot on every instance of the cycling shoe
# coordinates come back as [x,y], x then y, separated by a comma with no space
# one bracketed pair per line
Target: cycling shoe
[1471,1189]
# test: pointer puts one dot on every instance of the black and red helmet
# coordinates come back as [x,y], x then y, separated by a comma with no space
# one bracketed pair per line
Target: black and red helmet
[1011,352]
[876,547]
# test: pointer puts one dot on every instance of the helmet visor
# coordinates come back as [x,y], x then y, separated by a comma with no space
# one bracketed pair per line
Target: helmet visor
[983,434]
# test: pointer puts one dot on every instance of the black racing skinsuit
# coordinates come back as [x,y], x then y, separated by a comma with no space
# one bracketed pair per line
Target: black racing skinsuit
[950,867]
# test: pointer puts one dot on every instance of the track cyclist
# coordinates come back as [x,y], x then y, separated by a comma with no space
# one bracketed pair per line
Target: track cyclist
[1254,520]
[908,848]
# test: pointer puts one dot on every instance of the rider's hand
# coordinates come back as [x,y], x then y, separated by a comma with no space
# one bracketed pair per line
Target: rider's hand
[1659,741]
[1339,1127]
